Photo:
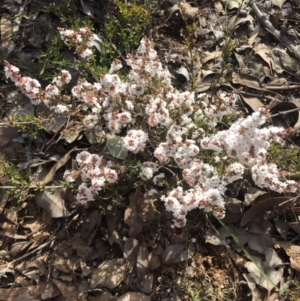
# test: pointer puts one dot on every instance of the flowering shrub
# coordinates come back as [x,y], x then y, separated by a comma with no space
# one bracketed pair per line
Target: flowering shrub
[176,128]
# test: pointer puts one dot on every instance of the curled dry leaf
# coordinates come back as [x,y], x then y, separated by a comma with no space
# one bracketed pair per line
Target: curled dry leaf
[50,175]
[247,80]
[285,120]
[265,53]
[292,251]
[109,274]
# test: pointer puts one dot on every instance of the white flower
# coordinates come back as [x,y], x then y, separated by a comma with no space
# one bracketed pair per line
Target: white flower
[61,109]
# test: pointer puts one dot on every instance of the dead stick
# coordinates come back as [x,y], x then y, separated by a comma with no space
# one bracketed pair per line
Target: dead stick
[276,33]
[283,88]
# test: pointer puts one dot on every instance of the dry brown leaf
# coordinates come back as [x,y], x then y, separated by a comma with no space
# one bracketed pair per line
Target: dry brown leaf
[282,227]
[154,261]
[295,226]
[50,175]
[285,120]
[6,134]
[145,284]
[278,3]
[240,60]
[254,34]
[269,204]
[265,53]
[289,63]
[233,212]
[131,217]
[211,56]
[52,203]
[133,296]
[6,31]
[270,267]
[142,260]
[247,80]
[19,247]
[67,290]
[186,9]
[109,274]
[293,251]
[177,253]
[253,102]
[131,249]
[31,293]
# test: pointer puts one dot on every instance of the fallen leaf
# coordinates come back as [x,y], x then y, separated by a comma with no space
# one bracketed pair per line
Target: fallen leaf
[31,293]
[154,261]
[290,64]
[6,134]
[295,226]
[285,120]
[6,31]
[278,3]
[265,53]
[177,253]
[142,260]
[50,175]
[131,249]
[67,290]
[115,147]
[109,274]
[131,217]
[292,251]
[247,80]
[270,268]
[52,203]
[268,204]
[211,56]
[133,296]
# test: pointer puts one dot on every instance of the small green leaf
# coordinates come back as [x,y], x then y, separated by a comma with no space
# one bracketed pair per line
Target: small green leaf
[115,148]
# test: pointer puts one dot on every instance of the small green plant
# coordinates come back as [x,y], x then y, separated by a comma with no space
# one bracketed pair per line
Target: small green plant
[124,29]
[15,179]
[27,123]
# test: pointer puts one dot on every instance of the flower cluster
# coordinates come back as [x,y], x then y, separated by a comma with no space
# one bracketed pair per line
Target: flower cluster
[95,170]
[83,39]
[146,107]
[32,88]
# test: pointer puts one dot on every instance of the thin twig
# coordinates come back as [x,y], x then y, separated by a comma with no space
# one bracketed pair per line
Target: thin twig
[3,271]
[282,88]
[276,33]
[32,186]
[284,112]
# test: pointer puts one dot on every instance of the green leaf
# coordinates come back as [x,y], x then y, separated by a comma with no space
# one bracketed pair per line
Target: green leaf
[115,148]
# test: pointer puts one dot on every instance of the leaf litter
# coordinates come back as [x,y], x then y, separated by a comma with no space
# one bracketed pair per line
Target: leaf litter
[79,246]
